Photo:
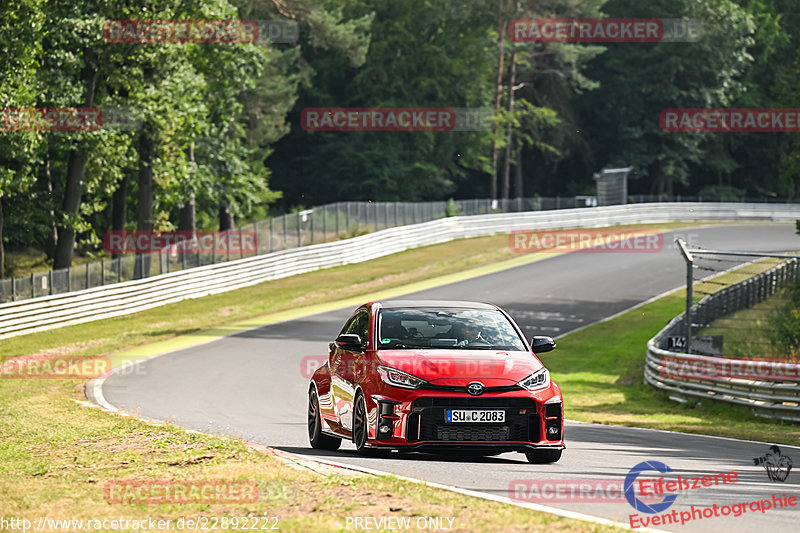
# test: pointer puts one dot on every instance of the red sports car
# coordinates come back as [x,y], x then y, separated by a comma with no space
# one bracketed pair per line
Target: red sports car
[436,376]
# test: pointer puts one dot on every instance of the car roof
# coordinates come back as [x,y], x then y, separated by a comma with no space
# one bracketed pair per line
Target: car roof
[395,304]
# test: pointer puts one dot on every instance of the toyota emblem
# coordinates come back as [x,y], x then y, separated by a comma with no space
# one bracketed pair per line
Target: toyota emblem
[476,388]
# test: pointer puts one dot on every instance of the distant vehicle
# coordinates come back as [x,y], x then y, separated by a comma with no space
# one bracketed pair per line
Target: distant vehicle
[436,376]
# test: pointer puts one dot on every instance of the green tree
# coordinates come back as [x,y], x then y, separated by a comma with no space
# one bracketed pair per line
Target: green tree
[638,80]
[21,23]
[541,122]
[423,53]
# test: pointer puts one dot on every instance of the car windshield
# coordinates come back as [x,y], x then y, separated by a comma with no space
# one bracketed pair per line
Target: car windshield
[474,329]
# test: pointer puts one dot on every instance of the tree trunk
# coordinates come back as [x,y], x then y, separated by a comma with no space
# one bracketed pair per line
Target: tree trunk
[146,197]
[504,191]
[188,218]
[518,192]
[76,171]
[225,218]
[119,207]
[498,93]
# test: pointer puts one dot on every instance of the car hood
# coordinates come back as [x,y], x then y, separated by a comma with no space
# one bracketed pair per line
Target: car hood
[460,367]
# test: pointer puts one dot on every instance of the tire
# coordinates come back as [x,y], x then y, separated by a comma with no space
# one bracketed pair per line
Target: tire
[361,432]
[543,457]
[360,429]
[318,440]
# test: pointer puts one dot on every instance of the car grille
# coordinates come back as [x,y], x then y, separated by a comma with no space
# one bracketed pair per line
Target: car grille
[426,421]
[472,433]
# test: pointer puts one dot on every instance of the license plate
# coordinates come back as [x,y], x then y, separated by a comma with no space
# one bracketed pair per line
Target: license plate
[475,416]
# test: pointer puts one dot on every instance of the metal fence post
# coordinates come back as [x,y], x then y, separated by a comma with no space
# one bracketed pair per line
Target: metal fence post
[689,282]
[299,230]
[285,232]
[50,274]
[13,288]
[324,222]
[33,286]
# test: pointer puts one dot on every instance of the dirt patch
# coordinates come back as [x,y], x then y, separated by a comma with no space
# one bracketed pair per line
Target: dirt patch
[69,349]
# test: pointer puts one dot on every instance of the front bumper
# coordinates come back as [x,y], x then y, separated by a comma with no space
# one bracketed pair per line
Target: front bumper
[416,422]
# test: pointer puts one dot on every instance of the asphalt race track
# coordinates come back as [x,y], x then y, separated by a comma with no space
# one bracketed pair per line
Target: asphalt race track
[253,385]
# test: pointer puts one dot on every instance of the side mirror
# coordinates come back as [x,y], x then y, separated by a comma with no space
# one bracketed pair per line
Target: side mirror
[541,344]
[350,342]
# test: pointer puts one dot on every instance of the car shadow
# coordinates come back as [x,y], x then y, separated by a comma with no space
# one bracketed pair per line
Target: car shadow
[459,457]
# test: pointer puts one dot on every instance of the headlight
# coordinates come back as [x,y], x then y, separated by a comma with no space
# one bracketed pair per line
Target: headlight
[396,378]
[536,381]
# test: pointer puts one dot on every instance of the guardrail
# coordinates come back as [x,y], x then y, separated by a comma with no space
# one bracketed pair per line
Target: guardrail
[767,398]
[319,224]
[47,312]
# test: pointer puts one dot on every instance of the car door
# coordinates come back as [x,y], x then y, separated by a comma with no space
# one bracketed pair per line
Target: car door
[344,364]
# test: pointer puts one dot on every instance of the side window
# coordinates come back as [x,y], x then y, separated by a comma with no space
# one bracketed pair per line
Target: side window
[360,326]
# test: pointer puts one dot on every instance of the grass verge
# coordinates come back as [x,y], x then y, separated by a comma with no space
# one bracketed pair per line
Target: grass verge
[755,332]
